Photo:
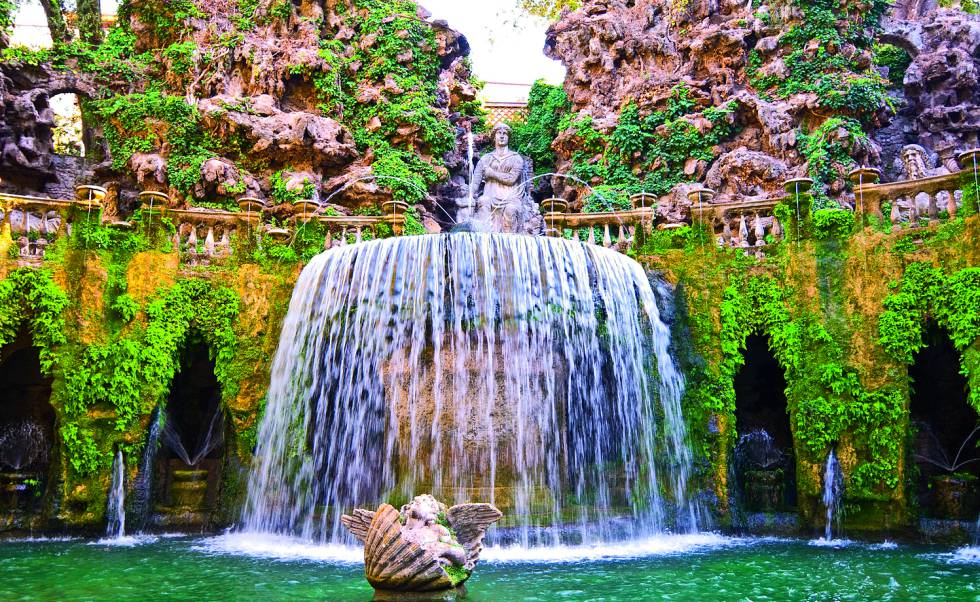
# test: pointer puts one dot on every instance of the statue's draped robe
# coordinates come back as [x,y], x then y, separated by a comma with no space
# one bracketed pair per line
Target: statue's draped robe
[503,190]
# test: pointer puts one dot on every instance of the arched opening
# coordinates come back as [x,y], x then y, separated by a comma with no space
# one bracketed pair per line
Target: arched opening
[946,429]
[764,462]
[27,423]
[192,438]
[69,131]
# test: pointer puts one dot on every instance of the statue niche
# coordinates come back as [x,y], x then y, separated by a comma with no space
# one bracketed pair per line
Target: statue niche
[500,191]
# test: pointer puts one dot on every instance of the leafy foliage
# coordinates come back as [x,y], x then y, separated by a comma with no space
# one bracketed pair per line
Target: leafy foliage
[412,97]
[547,108]
[814,65]
[647,153]
[828,151]
[144,122]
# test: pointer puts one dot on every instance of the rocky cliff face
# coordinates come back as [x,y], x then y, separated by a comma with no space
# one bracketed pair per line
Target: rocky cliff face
[742,95]
[213,100]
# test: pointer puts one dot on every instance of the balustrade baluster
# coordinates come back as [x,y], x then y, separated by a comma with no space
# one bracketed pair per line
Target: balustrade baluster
[896,215]
[192,240]
[328,241]
[743,232]
[357,235]
[760,231]
[913,212]
[209,242]
[224,246]
[933,209]
[591,239]
[726,232]
[777,229]
[343,237]
[951,204]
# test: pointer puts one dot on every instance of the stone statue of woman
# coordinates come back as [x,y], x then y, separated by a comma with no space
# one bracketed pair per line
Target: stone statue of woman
[505,204]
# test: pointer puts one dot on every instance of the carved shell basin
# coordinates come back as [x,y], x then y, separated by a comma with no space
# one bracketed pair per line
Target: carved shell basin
[391,562]
[394,563]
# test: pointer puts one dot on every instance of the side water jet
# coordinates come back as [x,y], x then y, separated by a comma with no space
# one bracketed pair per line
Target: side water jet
[143,485]
[533,373]
[117,499]
[833,487]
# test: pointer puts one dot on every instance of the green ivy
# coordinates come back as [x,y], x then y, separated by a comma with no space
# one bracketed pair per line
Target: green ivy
[411,102]
[646,153]
[547,108]
[145,122]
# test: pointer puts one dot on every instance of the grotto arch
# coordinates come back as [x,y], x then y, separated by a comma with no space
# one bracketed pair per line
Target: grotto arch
[763,459]
[68,132]
[27,428]
[946,430]
[191,439]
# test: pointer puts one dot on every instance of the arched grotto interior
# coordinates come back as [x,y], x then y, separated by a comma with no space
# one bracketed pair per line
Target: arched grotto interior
[946,429]
[765,470]
[192,439]
[27,423]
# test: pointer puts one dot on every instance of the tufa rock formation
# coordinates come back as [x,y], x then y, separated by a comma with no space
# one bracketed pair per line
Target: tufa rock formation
[213,100]
[741,96]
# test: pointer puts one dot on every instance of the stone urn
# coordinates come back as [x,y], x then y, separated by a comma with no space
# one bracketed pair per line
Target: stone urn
[150,200]
[969,159]
[424,551]
[955,496]
[863,175]
[643,200]
[90,195]
[700,195]
[797,186]
[277,234]
[554,205]
[250,204]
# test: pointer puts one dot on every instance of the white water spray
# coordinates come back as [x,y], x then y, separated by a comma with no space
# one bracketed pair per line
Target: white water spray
[833,486]
[117,499]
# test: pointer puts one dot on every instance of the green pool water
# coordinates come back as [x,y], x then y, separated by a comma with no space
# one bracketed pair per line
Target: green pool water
[721,569]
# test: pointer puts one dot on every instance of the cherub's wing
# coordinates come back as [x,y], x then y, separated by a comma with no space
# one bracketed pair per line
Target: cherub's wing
[470,523]
[358,523]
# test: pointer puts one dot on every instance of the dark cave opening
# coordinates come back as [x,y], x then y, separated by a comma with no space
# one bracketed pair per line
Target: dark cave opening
[764,461]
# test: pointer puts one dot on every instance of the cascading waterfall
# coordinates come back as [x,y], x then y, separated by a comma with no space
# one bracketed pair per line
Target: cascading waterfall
[530,372]
[117,499]
[833,487]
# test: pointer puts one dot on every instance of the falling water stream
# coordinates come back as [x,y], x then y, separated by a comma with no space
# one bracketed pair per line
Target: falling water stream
[117,499]
[530,372]
[833,487]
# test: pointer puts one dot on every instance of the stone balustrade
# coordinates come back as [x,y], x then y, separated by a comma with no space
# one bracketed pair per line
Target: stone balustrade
[33,223]
[610,229]
[747,225]
[204,237]
[909,201]
[201,236]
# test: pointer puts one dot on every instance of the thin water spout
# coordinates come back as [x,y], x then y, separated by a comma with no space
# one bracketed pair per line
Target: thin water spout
[117,498]
[833,486]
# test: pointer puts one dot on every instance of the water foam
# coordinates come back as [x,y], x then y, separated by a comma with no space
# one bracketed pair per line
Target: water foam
[279,547]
